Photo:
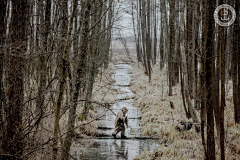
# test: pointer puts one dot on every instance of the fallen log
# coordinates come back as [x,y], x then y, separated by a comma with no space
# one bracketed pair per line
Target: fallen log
[127,138]
[105,128]
[135,117]
[119,85]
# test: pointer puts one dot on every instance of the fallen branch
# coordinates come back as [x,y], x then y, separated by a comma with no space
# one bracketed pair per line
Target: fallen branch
[127,138]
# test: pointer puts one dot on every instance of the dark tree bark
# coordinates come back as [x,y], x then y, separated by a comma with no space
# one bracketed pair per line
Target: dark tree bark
[223,103]
[216,73]
[13,138]
[210,67]
[45,19]
[161,45]
[155,33]
[184,68]
[64,49]
[222,49]
[202,86]
[142,4]
[148,41]
[197,53]
[109,33]
[176,57]
[72,110]
[94,50]
[172,44]
[3,6]
[189,44]
[238,25]
[235,67]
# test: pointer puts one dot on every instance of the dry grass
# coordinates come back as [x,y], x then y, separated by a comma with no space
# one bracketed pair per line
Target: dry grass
[159,119]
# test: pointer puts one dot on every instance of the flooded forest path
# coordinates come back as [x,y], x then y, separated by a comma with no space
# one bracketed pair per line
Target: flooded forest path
[108,148]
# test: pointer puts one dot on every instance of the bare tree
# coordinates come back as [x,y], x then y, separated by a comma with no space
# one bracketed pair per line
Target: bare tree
[13,136]
[172,44]
[210,66]
[235,68]
[3,6]
[184,66]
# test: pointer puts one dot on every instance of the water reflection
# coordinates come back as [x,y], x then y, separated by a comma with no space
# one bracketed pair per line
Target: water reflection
[114,149]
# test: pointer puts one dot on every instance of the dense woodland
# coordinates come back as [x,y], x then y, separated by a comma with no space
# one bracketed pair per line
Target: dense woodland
[199,54]
[51,51]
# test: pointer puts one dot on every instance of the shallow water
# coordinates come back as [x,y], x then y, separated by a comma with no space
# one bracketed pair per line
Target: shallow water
[111,149]
[118,148]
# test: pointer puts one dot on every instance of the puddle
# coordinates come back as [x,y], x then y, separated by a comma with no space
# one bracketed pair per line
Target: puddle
[116,148]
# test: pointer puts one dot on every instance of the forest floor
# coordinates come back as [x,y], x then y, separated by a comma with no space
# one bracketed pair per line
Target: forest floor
[159,119]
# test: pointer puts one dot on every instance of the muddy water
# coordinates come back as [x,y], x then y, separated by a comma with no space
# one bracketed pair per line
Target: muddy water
[111,149]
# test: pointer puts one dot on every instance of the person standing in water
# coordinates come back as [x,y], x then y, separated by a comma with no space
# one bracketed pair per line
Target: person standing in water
[119,123]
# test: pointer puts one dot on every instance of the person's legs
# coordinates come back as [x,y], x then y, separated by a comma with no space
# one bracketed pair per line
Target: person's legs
[123,132]
[116,131]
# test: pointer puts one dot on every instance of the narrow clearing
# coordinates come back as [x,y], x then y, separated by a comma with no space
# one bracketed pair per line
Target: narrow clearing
[107,147]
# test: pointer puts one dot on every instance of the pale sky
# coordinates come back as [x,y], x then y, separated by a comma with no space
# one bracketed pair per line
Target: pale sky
[124,19]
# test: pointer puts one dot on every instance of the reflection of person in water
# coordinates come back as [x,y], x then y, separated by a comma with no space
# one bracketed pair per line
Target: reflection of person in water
[119,123]
[121,152]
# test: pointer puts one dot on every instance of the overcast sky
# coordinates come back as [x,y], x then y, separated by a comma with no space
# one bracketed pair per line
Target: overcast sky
[124,19]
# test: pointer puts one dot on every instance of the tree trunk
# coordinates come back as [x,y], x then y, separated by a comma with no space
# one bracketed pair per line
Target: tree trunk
[177,53]
[43,69]
[223,103]
[13,139]
[189,45]
[109,32]
[3,6]
[155,33]
[72,109]
[148,42]
[210,80]
[64,65]
[163,28]
[184,66]
[135,34]
[235,67]
[143,28]
[172,44]
[202,86]
[216,76]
